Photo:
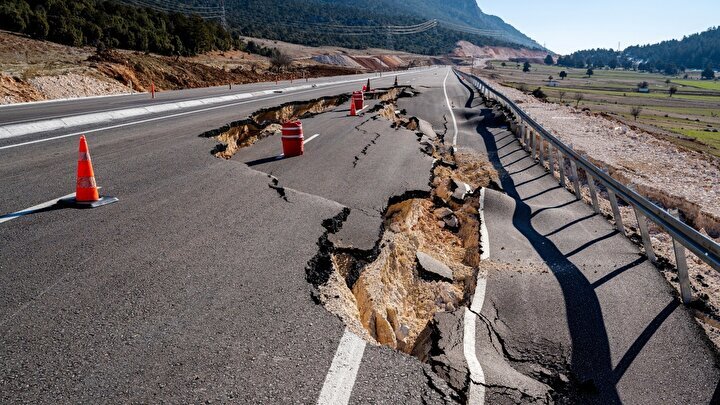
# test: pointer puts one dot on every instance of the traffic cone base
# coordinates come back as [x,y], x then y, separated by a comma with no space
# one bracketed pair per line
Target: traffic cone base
[86,191]
[73,202]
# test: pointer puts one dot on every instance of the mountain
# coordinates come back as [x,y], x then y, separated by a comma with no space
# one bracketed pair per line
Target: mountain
[454,13]
[337,22]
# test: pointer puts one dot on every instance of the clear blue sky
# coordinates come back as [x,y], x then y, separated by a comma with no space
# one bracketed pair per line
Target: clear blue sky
[567,26]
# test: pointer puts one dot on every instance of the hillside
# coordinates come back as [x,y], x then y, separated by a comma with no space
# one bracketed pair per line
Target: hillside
[363,24]
[697,51]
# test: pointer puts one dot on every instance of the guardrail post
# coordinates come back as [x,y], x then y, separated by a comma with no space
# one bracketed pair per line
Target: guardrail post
[647,243]
[525,137]
[593,192]
[682,267]
[541,151]
[575,178]
[534,144]
[616,212]
[551,160]
[561,168]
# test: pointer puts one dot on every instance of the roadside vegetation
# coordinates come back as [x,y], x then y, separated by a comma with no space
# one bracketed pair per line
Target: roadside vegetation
[682,108]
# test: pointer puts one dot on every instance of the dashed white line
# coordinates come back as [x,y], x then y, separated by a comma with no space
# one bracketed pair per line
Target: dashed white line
[340,379]
[311,138]
[447,101]
[47,204]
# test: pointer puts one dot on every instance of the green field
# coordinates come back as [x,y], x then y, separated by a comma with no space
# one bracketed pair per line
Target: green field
[700,84]
[688,118]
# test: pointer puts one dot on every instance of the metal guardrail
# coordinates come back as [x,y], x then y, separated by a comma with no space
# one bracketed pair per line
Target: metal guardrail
[534,137]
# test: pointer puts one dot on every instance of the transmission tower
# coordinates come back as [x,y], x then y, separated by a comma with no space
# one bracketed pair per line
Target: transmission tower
[223,19]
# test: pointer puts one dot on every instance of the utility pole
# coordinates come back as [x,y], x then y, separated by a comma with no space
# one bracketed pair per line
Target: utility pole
[223,20]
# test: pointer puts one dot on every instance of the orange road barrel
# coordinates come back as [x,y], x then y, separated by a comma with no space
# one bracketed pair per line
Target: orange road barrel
[358,99]
[293,141]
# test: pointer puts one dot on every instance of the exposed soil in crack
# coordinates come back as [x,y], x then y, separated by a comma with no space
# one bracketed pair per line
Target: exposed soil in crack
[267,122]
[425,261]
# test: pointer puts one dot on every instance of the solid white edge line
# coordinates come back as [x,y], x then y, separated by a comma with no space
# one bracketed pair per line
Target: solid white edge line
[39,126]
[476,390]
[26,211]
[173,116]
[447,100]
[484,236]
[340,378]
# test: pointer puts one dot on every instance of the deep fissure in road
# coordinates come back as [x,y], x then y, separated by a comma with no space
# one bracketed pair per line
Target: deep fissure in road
[267,121]
[424,263]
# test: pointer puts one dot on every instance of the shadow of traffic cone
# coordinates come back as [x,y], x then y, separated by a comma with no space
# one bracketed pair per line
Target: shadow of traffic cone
[353,110]
[86,190]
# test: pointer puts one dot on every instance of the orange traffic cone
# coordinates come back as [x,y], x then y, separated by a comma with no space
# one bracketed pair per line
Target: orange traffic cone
[367,86]
[353,110]
[86,190]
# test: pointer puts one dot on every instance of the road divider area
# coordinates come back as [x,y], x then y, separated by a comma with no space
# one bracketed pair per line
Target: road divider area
[46,125]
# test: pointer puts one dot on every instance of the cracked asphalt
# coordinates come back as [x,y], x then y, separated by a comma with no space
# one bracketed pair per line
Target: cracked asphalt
[193,287]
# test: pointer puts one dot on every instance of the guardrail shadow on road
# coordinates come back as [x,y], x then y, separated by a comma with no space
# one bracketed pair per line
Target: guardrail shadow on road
[591,360]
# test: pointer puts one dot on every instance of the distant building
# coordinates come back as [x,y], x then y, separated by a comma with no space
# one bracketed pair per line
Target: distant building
[643,90]
[553,83]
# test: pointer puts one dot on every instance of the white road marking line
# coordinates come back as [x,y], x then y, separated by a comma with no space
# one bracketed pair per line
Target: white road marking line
[311,138]
[476,394]
[476,391]
[26,211]
[340,378]
[315,88]
[447,100]
[47,204]
[142,121]
[484,236]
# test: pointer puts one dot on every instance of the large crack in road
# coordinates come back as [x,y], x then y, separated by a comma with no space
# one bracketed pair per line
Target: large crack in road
[410,290]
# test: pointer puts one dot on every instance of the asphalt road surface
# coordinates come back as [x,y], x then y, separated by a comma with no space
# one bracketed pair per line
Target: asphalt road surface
[192,288]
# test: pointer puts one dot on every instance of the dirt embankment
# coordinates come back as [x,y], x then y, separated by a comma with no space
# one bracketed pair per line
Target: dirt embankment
[469,50]
[32,70]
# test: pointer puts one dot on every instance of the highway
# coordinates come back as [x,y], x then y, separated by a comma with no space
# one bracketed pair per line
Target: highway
[193,287]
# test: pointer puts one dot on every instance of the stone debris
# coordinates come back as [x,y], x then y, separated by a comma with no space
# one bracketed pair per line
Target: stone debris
[443,212]
[462,190]
[452,222]
[433,268]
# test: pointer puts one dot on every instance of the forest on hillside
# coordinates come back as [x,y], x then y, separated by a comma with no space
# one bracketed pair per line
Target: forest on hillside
[311,23]
[697,51]
[112,24]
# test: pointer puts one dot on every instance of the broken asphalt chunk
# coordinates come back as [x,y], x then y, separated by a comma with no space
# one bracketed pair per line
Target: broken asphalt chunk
[433,268]
[461,190]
